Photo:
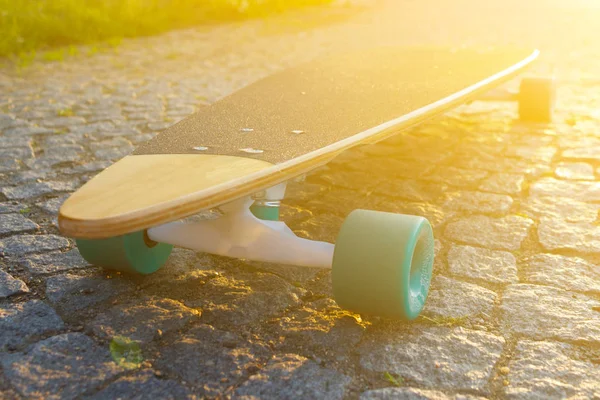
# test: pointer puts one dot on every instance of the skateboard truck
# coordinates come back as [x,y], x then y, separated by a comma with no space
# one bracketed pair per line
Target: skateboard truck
[239,233]
[267,202]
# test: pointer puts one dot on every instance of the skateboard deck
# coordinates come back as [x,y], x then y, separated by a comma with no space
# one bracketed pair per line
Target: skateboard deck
[278,128]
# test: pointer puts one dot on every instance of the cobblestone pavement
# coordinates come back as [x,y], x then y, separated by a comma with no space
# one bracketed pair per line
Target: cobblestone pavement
[514,310]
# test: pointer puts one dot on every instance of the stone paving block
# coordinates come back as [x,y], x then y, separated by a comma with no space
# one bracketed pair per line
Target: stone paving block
[570,273]
[211,360]
[9,165]
[491,266]
[541,153]
[322,227]
[183,267]
[449,298]
[505,233]
[8,393]
[542,312]
[110,116]
[91,128]
[562,208]
[290,376]
[61,367]
[93,166]
[26,191]
[73,292]
[37,189]
[18,153]
[65,153]
[40,112]
[53,205]
[143,385]
[576,141]
[119,131]
[10,207]
[143,319]
[26,244]
[11,224]
[339,202]
[353,180]
[66,143]
[411,190]
[61,122]
[459,177]
[413,394]
[322,327]
[27,131]
[159,126]
[505,165]
[392,167]
[53,262]
[479,202]
[578,190]
[244,299]
[10,285]
[434,357]
[555,234]
[14,141]
[503,183]
[586,153]
[296,275]
[113,154]
[434,214]
[7,121]
[117,142]
[547,370]
[22,322]
[575,171]
[140,116]
[31,176]
[141,138]
[484,150]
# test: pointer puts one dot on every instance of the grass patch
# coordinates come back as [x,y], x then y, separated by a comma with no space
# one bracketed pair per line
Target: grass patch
[65,112]
[126,352]
[395,380]
[30,25]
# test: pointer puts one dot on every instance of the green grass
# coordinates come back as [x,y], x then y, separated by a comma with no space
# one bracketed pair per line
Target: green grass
[126,352]
[30,25]
[395,380]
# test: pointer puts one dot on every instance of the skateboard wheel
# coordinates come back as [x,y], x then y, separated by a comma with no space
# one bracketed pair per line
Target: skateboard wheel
[536,99]
[133,252]
[268,213]
[382,264]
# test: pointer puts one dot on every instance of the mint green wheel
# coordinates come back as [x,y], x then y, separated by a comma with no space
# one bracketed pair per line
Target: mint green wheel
[133,252]
[382,264]
[537,97]
[268,211]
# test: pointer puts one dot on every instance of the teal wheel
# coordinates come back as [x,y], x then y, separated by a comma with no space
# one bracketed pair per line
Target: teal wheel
[266,210]
[133,252]
[382,264]
[536,99]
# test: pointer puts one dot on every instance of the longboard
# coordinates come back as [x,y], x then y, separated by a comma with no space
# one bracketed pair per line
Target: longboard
[256,139]
[278,128]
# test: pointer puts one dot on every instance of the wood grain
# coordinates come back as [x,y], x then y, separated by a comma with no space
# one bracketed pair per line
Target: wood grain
[137,186]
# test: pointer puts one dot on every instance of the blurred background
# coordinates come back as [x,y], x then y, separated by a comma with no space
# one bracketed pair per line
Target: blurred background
[27,25]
